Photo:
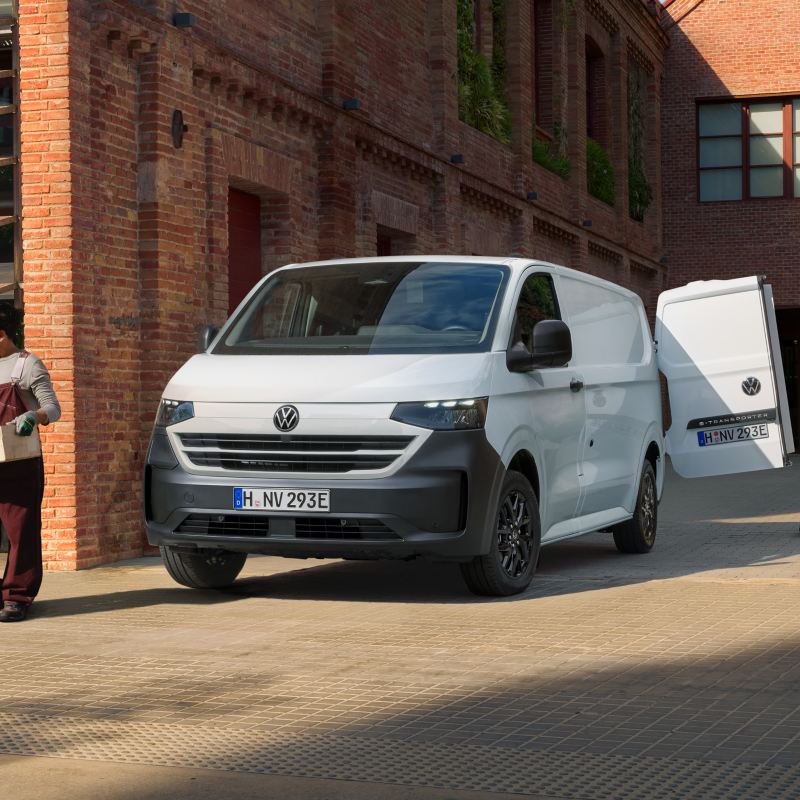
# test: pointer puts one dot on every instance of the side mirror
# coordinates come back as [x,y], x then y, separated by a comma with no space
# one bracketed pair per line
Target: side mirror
[518,358]
[207,335]
[552,344]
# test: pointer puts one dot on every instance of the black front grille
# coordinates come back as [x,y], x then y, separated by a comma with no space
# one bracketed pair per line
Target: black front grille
[329,528]
[224,525]
[289,463]
[284,443]
[257,525]
[287,453]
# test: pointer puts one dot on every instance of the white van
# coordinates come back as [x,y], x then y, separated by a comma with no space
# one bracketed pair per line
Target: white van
[459,409]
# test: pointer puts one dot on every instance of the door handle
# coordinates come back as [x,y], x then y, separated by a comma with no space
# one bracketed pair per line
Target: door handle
[576,385]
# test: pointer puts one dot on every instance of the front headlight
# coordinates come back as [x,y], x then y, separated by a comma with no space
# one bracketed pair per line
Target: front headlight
[171,412]
[444,415]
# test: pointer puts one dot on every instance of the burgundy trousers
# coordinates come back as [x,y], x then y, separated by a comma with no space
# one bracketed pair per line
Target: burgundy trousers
[21,491]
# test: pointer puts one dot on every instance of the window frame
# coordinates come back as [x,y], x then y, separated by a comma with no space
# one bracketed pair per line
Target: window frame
[536,273]
[788,162]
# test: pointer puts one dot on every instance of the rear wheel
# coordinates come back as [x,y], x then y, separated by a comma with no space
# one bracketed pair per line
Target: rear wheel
[509,565]
[202,569]
[638,534]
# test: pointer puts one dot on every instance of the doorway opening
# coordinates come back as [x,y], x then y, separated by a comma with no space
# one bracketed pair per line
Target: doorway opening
[244,245]
[789,336]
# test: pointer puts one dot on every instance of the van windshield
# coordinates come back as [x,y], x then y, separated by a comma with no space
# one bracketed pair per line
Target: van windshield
[414,307]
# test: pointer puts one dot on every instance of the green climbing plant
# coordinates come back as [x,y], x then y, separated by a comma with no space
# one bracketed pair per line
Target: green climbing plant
[551,153]
[640,193]
[481,85]
[599,173]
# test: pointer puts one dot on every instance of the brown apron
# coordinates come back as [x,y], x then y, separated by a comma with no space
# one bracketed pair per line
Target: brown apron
[21,491]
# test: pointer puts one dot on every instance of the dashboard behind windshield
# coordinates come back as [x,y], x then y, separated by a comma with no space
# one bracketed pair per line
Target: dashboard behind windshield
[414,307]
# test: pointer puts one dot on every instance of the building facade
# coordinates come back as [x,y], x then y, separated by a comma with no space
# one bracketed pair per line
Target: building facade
[731,153]
[172,153]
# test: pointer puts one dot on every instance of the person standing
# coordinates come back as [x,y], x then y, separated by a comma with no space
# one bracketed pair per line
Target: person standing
[27,399]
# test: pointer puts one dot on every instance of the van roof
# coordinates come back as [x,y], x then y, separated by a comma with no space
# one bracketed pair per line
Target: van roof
[516,263]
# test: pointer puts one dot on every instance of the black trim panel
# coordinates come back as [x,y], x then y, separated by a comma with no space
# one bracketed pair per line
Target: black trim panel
[764,415]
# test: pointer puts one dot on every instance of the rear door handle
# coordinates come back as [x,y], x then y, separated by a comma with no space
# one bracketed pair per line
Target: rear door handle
[576,385]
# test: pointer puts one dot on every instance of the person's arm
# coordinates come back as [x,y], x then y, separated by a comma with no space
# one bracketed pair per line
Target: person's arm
[42,389]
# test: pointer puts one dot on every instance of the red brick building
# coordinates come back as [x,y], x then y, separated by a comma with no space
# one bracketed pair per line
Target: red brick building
[171,153]
[731,152]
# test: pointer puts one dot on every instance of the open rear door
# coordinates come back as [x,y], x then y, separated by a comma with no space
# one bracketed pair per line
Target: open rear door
[718,348]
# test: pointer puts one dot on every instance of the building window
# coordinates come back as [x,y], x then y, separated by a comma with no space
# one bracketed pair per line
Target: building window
[10,249]
[543,63]
[749,149]
[595,92]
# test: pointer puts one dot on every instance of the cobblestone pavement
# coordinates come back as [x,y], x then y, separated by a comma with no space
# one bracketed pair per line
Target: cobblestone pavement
[670,675]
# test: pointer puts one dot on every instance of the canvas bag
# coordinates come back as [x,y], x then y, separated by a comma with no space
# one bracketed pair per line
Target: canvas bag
[12,446]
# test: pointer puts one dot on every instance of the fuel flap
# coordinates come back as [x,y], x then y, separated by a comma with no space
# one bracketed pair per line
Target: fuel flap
[717,345]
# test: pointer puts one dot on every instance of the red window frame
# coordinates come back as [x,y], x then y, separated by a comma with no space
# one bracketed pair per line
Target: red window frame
[789,162]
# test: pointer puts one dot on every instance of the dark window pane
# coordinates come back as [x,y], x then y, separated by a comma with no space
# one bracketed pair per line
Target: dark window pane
[6,91]
[6,135]
[6,244]
[536,302]
[721,184]
[6,191]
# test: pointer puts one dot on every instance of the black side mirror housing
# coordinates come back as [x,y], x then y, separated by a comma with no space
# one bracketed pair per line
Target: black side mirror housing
[207,335]
[552,343]
[552,347]
[518,358]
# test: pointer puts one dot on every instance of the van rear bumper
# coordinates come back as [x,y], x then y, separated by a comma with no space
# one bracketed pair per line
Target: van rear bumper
[440,504]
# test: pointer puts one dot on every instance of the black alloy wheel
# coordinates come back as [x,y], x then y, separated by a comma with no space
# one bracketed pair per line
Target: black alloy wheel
[509,565]
[514,534]
[638,534]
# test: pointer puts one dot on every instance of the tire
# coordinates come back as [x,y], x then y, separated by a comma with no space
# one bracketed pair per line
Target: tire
[202,569]
[638,534]
[509,565]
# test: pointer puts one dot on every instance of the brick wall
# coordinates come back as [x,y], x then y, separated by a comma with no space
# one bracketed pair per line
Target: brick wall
[718,49]
[126,234]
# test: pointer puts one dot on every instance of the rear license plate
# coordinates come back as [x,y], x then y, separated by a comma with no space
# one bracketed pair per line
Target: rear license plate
[307,500]
[741,433]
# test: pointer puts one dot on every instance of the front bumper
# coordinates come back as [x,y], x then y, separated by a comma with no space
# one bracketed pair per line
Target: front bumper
[440,504]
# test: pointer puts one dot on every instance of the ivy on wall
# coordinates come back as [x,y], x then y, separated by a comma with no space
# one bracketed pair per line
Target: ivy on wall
[599,173]
[640,193]
[551,153]
[481,85]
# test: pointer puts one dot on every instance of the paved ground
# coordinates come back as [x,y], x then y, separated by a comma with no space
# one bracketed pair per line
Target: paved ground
[671,675]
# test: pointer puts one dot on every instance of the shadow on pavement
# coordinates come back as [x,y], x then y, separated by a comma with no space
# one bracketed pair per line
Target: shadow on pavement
[136,598]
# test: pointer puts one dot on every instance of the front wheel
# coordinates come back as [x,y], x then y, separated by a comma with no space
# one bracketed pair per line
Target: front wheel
[509,565]
[202,569]
[638,534]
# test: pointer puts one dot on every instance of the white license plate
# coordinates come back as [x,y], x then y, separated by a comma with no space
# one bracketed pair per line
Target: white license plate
[742,433]
[306,500]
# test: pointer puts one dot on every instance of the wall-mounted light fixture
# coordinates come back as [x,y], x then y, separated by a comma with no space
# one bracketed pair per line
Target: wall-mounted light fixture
[587,223]
[457,158]
[184,20]
[351,104]
[178,128]
[532,196]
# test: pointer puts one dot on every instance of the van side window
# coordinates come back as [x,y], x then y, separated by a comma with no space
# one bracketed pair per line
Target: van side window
[537,301]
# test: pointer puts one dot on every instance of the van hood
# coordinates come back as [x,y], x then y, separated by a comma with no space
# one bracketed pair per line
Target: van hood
[331,379]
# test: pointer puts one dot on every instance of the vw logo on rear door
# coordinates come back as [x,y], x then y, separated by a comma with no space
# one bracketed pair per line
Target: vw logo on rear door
[286,418]
[751,386]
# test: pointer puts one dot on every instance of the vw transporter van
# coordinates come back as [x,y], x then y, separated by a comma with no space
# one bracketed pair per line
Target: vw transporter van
[457,409]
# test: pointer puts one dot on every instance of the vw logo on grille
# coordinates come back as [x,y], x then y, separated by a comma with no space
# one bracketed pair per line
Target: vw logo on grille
[286,418]
[751,386]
